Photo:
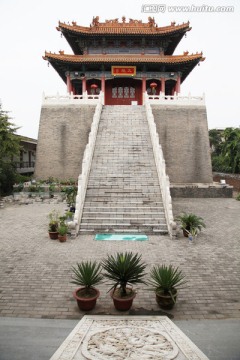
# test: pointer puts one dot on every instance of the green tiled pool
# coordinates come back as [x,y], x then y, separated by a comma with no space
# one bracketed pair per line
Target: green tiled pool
[121,237]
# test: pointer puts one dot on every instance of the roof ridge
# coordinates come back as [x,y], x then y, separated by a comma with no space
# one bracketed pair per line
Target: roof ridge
[121,57]
[114,26]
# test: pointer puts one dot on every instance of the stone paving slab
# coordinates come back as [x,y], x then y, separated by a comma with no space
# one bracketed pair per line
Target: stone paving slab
[127,337]
[36,271]
[39,339]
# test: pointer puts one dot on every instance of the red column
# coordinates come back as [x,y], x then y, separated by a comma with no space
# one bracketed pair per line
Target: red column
[69,84]
[178,84]
[84,85]
[103,83]
[162,86]
[144,87]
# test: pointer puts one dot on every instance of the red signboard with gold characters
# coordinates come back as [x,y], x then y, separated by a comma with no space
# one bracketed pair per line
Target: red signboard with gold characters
[123,70]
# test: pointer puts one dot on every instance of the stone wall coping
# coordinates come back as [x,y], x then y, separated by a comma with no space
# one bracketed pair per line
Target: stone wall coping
[176,99]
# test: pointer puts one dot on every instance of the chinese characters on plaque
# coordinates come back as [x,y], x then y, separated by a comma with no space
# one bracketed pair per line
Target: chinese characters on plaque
[123,70]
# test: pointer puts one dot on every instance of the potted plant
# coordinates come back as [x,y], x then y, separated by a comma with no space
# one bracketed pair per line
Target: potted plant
[62,229]
[71,193]
[190,223]
[86,274]
[62,233]
[123,269]
[53,224]
[165,281]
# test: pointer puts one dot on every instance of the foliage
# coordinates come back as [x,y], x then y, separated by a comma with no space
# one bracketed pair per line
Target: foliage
[225,150]
[238,197]
[215,141]
[18,188]
[51,180]
[9,147]
[35,188]
[165,279]
[52,188]
[7,177]
[71,193]
[123,269]
[53,220]
[87,274]
[20,179]
[69,215]
[191,222]
[70,181]
[219,164]
[62,229]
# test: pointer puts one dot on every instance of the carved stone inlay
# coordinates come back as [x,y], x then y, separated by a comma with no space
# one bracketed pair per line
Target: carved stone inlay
[125,342]
[98,337]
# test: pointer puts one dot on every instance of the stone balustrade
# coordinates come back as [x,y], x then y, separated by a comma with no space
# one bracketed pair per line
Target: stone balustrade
[86,164]
[161,169]
[176,99]
[68,99]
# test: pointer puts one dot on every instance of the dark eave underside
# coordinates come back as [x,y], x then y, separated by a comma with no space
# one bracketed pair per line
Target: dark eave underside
[173,39]
[185,67]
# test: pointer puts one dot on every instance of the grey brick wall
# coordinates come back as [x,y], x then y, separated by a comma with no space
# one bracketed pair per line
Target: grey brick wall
[62,138]
[183,134]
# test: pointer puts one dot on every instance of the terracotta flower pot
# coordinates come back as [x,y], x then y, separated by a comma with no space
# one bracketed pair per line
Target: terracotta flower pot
[62,238]
[166,301]
[53,235]
[122,303]
[86,303]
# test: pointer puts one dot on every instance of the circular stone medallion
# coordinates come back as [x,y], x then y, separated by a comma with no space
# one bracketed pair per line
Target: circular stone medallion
[129,342]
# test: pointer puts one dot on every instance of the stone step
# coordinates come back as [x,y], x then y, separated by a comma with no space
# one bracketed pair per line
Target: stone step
[102,200]
[123,219]
[122,203]
[123,209]
[123,193]
[121,228]
[137,214]
[108,227]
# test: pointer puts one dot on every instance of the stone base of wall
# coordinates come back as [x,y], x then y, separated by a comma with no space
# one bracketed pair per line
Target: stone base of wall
[231,179]
[214,190]
[183,135]
[63,136]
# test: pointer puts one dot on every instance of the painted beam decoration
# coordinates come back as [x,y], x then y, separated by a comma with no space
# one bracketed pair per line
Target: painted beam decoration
[124,70]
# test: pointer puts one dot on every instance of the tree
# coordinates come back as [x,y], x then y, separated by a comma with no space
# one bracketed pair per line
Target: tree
[225,150]
[215,139]
[9,147]
[231,148]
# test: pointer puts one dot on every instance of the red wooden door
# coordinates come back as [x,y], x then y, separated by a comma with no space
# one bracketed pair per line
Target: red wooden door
[123,91]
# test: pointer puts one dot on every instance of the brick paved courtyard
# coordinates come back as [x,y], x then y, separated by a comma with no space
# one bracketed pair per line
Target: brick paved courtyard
[36,271]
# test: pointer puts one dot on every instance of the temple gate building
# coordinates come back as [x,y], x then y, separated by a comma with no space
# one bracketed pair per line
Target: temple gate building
[123,59]
[123,85]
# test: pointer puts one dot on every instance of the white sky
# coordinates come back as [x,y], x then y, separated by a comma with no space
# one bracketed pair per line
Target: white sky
[28,28]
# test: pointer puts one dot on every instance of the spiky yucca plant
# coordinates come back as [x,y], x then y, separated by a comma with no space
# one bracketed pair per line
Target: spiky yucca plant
[124,269]
[87,274]
[166,279]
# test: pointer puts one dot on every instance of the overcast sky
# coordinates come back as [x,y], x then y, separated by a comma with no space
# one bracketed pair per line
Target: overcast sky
[28,28]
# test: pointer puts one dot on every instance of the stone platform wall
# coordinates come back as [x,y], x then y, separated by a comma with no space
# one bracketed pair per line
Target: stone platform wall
[183,134]
[62,138]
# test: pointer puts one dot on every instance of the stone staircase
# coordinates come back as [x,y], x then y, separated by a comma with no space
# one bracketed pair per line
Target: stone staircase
[123,193]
